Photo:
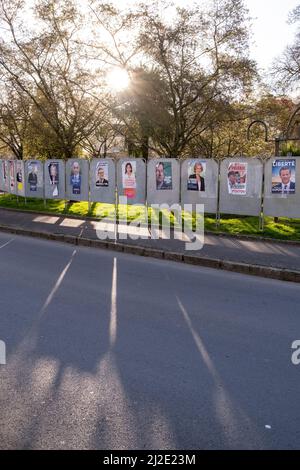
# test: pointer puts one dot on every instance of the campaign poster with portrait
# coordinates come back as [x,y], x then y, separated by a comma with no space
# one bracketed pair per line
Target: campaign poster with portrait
[284,176]
[1,176]
[19,177]
[163,175]
[53,178]
[196,175]
[5,173]
[237,178]
[101,175]
[76,178]
[33,176]
[129,178]
[12,182]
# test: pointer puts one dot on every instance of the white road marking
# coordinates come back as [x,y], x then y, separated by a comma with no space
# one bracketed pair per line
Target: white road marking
[113,308]
[7,243]
[58,283]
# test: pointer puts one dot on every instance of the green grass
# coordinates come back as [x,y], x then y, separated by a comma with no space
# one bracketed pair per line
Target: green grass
[285,229]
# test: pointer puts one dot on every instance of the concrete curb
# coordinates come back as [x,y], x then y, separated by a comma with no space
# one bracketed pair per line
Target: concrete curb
[243,268]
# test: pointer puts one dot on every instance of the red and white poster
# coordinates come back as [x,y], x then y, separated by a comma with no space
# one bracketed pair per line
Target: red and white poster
[237,178]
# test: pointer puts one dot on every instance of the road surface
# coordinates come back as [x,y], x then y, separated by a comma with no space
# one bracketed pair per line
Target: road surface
[113,351]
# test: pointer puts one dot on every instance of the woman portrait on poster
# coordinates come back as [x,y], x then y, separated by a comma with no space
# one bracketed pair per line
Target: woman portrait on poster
[196,182]
[129,180]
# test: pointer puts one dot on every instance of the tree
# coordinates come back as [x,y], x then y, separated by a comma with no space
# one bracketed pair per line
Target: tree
[228,135]
[44,64]
[113,45]
[182,72]
[201,61]
[99,142]
[190,78]
[15,109]
[142,115]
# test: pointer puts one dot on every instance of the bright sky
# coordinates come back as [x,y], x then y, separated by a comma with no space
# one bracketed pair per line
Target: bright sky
[271,33]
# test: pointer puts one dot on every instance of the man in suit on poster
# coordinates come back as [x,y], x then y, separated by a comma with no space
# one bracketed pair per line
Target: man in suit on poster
[75,178]
[286,186]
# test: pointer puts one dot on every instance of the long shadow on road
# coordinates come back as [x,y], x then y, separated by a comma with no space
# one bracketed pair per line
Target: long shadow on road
[117,352]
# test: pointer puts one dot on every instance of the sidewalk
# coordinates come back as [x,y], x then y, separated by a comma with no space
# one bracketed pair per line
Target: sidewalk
[280,260]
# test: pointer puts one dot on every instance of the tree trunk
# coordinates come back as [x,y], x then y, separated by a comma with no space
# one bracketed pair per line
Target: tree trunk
[145,147]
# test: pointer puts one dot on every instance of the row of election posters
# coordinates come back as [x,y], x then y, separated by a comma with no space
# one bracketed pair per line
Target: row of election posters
[52,172]
[283,176]
[160,180]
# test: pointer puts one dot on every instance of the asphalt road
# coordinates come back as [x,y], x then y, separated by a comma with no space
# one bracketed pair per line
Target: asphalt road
[113,351]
